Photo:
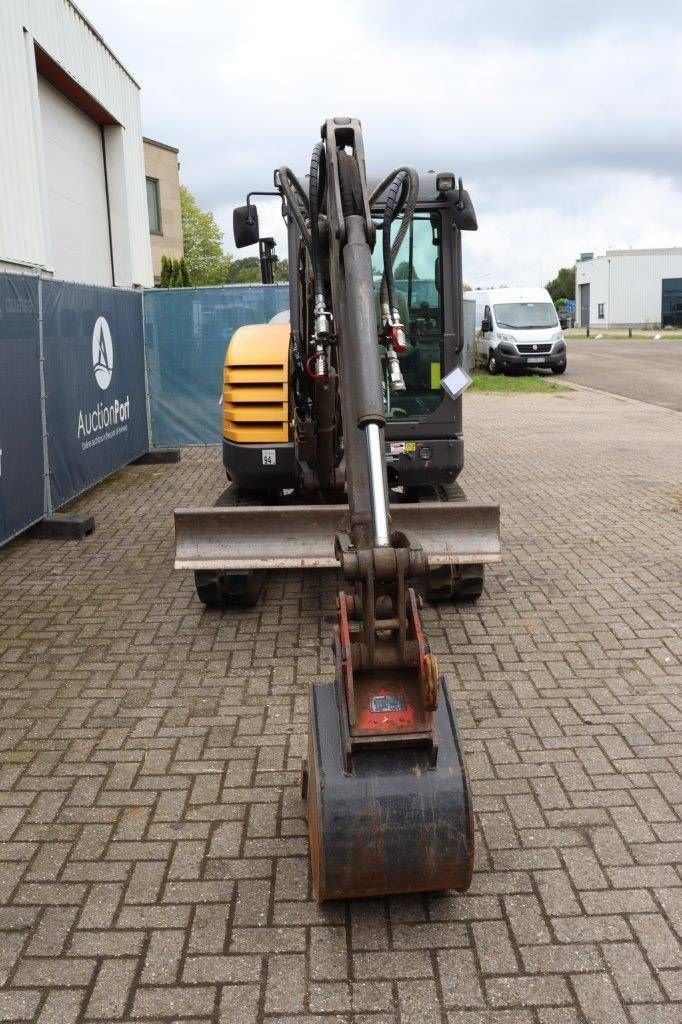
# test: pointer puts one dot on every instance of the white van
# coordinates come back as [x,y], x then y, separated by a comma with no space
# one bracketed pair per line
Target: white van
[519,327]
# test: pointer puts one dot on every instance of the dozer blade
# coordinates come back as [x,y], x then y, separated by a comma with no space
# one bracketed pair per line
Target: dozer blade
[302,536]
[395,824]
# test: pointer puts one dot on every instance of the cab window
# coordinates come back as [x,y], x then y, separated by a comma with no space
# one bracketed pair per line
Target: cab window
[417,271]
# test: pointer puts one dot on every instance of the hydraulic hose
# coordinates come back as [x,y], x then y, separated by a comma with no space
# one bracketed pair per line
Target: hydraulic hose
[409,206]
[394,201]
[290,186]
[316,187]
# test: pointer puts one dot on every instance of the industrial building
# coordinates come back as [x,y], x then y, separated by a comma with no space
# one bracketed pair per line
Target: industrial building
[629,288]
[73,202]
[163,202]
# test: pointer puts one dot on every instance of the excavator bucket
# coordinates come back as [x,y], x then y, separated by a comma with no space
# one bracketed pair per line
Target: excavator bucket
[302,536]
[396,822]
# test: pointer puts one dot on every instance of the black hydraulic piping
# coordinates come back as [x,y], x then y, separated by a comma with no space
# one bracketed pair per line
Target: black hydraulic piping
[316,187]
[395,198]
[402,194]
[410,204]
[290,185]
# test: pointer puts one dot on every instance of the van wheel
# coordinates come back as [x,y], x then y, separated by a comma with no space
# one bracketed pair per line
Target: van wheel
[493,367]
[559,369]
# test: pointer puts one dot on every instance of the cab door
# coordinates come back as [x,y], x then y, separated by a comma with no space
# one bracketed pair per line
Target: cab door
[487,331]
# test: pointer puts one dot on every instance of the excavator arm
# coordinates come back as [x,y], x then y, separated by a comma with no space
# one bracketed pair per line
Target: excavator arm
[379,817]
[388,801]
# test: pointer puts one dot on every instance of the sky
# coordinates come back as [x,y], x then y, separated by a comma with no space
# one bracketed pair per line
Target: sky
[563,119]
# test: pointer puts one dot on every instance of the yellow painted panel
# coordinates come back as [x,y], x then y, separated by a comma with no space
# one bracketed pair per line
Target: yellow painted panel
[435,376]
[255,375]
[258,344]
[256,413]
[256,384]
[257,434]
[253,393]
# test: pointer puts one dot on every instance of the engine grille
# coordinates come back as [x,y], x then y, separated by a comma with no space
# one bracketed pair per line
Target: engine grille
[256,403]
[538,349]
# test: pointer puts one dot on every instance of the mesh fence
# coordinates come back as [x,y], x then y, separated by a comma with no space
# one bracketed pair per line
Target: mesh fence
[186,333]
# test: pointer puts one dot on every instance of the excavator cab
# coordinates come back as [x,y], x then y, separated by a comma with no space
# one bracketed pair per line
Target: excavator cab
[343,449]
[423,422]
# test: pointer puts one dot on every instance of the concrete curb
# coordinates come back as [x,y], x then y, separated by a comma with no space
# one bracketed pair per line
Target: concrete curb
[621,398]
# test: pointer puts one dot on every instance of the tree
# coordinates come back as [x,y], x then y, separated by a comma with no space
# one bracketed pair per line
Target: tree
[204,257]
[177,281]
[563,285]
[247,270]
[244,271]
[204,261]
[402,272]
[174,273]
[165,275]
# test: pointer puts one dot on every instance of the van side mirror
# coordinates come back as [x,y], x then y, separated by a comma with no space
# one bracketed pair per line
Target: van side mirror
[486,325]
[245,226]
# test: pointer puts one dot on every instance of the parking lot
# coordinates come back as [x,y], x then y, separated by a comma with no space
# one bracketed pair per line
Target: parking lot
[650,371]
[153,852]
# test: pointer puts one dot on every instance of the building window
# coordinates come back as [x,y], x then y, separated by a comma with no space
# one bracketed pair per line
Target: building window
[671,306]
[600,311]
[153,206]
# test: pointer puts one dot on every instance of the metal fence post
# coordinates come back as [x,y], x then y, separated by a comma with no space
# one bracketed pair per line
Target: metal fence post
[47,490]
[146,375]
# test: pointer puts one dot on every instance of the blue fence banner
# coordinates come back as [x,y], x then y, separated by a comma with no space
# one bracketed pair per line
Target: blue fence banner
[96,406]
[186,334]
[22,490]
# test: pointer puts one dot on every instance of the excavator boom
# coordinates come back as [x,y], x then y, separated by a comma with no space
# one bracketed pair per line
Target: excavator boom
[385,784]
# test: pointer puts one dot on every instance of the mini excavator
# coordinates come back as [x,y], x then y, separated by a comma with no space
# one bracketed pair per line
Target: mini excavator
[342,448]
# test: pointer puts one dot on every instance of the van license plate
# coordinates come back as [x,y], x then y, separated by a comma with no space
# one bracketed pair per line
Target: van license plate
[536,359]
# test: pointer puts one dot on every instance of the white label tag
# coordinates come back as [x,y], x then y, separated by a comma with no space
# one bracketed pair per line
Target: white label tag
[269,457]
[456,382]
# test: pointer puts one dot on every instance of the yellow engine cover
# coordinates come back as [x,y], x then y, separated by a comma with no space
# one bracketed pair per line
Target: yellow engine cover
[256,384]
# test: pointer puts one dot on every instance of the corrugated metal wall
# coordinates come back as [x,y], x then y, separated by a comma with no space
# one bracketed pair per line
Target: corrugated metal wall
[628,284]
[636,285]
[64,34]
[594,273]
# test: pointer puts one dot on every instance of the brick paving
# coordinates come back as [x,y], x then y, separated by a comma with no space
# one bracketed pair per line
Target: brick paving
[153,857]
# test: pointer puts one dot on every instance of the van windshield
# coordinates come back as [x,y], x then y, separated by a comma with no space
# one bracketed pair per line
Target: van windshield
[525,315]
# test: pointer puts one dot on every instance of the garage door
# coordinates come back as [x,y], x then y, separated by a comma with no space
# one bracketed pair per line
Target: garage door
[76,187]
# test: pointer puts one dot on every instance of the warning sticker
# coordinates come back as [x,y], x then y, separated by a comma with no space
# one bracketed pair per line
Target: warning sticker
[402,447]
[386,702]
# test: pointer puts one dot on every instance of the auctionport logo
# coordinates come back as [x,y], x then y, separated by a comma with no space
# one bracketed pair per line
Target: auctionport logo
[102,353]
[104,422]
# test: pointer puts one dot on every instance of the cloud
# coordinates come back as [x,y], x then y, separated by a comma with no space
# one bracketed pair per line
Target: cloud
[561,119]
